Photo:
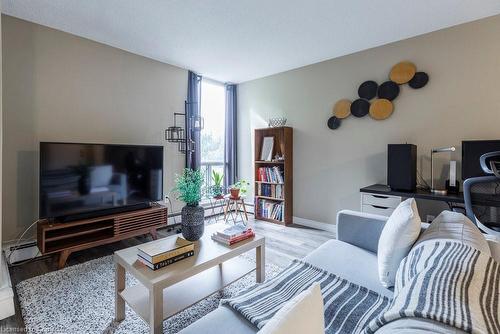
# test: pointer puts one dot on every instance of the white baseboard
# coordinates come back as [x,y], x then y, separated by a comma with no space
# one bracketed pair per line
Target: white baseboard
[250,207]
[6,292]
[314,224]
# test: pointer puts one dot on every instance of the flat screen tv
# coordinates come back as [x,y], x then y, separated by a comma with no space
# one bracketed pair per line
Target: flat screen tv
[80,181]
[471,152]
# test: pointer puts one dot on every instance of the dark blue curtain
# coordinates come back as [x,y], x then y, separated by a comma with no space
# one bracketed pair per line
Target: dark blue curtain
[231,172]
[193,110]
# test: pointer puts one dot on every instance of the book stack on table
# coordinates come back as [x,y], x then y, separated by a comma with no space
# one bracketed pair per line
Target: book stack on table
[164,252]
[233,234]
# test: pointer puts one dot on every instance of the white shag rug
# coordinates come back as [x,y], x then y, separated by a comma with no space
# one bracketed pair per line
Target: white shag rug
[80,299]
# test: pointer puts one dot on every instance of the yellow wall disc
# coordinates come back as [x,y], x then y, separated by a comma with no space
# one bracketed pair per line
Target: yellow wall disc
[402,72]
[381,109]
[342,108]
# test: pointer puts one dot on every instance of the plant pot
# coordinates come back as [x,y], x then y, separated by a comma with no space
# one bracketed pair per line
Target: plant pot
[235,193]
[217,192]
[193,222]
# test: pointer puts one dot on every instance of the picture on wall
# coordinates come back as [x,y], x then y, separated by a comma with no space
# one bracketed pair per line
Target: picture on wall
[266,154]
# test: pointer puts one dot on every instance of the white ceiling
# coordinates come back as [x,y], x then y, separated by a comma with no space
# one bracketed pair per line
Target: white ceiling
[240,40]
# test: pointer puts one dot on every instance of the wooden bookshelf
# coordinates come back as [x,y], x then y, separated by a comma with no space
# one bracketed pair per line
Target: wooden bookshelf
[283,146]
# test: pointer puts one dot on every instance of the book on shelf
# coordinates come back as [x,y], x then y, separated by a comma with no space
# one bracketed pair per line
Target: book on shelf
[166,262]
[270,209]
[270,190]
[231,241]
[164,249]
[270,174]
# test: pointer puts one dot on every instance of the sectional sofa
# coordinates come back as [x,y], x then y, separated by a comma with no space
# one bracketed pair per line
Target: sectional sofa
[353,256]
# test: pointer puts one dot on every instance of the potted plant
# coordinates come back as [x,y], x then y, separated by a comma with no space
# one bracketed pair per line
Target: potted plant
[216,189]
[188,189]
[239,188]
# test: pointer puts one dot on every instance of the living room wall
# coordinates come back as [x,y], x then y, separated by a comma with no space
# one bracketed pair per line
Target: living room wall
[461,101]
[60,87]
[1,146]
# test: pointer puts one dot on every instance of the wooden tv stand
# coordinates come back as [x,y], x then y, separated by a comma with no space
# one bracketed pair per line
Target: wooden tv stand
[66,238]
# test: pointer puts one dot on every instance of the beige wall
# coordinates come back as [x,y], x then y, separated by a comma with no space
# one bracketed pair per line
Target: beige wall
[461,101]
[59,87]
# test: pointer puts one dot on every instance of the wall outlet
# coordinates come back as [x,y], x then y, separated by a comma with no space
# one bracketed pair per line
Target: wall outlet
[429,218]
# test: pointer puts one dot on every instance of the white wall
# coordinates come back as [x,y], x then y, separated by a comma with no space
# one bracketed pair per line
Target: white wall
[59,87]
[1,137]
[6,292]
[460,102]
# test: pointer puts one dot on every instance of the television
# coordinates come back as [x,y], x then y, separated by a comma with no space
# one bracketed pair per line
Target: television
[471,152]
[79,181]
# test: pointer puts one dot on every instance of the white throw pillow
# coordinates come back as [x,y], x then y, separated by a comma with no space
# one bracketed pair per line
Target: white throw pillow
[451,225]
[301,314]
[398,236]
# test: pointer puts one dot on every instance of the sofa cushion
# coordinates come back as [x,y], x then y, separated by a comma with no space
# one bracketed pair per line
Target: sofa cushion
[494,244]
[221,320]
[455,226]
[349,262]
[417,326]
[301,314]
[337,257]
[398,236]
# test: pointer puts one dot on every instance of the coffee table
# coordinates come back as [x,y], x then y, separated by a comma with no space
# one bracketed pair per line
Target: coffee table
[167,291]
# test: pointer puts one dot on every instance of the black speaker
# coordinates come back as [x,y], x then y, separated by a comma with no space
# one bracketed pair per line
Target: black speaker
[402,167]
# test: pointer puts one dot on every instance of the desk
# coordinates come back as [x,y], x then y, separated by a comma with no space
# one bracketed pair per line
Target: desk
[380,199]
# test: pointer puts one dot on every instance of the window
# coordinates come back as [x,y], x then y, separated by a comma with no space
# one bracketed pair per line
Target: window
[213,111]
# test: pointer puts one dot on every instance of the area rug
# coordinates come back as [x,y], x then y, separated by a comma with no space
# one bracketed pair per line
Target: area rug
[80,299]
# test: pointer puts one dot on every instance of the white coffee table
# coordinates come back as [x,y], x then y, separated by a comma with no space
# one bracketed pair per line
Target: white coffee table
[165,292]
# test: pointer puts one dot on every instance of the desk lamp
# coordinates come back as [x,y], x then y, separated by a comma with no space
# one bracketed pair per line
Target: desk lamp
[438,150]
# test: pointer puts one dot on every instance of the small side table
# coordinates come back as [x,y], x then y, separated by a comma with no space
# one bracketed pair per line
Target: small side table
[218,205]
[232,209]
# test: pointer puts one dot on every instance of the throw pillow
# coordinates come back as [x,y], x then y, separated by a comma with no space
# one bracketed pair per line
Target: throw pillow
[301,314]
[455,226]
[398,236]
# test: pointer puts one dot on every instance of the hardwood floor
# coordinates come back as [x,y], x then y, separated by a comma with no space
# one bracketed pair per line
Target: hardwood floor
[283,244]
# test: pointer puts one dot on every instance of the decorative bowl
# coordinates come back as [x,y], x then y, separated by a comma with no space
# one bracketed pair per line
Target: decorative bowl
[276,122]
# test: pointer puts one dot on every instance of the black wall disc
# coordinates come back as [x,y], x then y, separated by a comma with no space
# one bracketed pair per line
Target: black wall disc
[334,122]
[419,80]
[388,90]
[368,90]
[360,108]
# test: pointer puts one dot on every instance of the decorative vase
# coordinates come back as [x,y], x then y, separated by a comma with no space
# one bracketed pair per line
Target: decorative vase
[193,222]
[235,192]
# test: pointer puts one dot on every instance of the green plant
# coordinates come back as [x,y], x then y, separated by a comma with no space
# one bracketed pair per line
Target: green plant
[217,178]
[188,186]
[242,185]
[216,188]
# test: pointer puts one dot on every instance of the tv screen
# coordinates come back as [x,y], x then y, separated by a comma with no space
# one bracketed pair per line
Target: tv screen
[471,152]
[84,179]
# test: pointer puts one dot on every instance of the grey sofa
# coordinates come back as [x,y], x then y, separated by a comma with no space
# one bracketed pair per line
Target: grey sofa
[352,256]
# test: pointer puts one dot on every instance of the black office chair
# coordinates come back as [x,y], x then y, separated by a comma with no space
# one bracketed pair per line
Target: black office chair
[490,163]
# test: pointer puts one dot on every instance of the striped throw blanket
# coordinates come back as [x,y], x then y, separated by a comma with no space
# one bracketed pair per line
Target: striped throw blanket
[448,282]
[348,307]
